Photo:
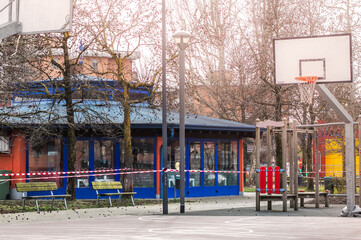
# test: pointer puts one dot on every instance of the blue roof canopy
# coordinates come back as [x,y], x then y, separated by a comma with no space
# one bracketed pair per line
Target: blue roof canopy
[33,109]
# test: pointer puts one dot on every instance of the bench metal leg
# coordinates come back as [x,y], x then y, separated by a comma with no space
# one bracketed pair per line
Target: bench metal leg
[120,199]
[23,203]
[97,200]
[132,200]
[37,205]
[302,202]
[327,201]
[284,199]
[52,204]
[66,206]
[291,203]
[110,201]
[269,205]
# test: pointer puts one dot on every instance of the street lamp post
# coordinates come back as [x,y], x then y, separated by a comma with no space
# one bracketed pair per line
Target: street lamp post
[182,38]
[164,111]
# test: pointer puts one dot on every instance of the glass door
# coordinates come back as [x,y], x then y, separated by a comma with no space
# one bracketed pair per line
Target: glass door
[82,163]
[209,163]
[195,164]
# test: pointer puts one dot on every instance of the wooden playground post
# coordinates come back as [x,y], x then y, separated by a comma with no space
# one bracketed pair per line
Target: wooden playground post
[268,177]
[269,155]
[269,147]
[317,175]
[258,146]
[284,157]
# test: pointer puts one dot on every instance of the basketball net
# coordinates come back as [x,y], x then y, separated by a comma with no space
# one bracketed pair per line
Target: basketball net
[306,87]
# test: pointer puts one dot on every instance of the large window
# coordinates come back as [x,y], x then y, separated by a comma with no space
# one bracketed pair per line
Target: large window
[209,163]
[82,163]
[104,159]
[46,156]
[143,159]
[227,161]
[195,164]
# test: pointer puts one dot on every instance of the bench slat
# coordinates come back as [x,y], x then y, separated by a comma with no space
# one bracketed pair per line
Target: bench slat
[109,194]
[48,196]
[116,194]
[128,193]
[36,186]
[106,185]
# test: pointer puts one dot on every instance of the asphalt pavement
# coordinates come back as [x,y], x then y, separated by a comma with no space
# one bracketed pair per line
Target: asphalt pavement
[222,217]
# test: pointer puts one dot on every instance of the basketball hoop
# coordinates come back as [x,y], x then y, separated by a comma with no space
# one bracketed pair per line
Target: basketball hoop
[306,86]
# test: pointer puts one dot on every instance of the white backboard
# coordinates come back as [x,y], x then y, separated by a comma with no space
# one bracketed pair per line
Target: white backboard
[39,16]
[327,57]
[4,14]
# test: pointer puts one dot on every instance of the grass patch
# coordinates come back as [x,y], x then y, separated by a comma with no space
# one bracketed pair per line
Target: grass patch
[16,206]
[250,189]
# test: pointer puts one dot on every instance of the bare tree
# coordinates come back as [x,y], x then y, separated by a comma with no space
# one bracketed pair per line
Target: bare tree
[130,26]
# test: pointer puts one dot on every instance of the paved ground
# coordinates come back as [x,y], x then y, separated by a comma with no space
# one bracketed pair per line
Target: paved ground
[222,218]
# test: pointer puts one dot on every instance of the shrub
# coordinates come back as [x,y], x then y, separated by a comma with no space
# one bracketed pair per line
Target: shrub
[339,185]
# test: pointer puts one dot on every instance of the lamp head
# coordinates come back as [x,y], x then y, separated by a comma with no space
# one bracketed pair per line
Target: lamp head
[182,39]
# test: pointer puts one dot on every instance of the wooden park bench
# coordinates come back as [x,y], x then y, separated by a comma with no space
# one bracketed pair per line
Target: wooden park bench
[40,187]
[100,187]
[269,188]
[303,195]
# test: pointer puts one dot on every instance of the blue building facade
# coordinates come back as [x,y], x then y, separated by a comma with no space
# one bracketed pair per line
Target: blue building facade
[214,147]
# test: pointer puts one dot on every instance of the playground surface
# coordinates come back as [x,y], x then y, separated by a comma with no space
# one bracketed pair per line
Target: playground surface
[221,217]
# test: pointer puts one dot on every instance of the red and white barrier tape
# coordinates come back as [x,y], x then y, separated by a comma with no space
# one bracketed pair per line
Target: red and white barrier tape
[62,173]
[104,172]
[101,172]
[79,176]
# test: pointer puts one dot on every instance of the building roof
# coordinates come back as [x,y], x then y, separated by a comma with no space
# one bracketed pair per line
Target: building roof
[97,53]
[97,112]
[35,109]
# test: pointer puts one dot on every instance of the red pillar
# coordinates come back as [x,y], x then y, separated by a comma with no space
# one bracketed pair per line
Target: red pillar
[19,157]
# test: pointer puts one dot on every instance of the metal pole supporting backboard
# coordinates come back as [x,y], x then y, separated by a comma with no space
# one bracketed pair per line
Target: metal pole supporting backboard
[349,139]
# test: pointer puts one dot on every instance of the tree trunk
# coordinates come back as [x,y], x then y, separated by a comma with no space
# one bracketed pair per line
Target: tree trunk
[70,188]
[128,160]
[252,169]
[310,185]
[278,117]
[343,152]
[304,154]
[310,182]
